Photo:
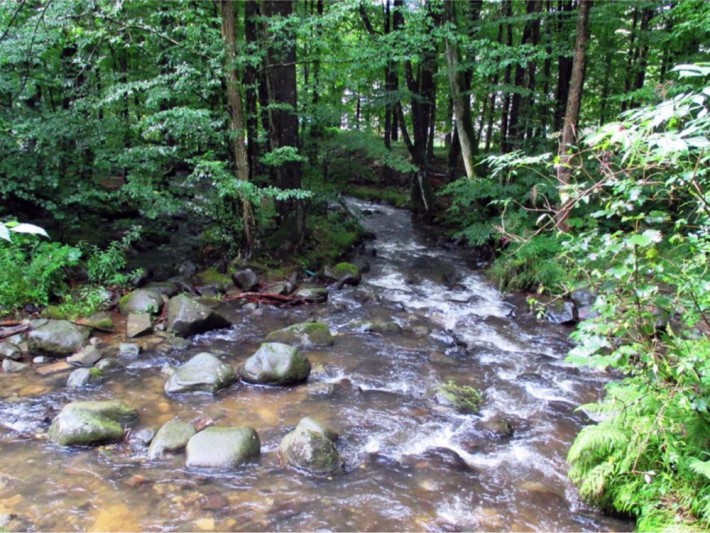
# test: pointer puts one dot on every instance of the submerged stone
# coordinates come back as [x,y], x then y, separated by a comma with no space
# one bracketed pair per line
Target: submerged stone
[303,335]
[91,422]
[172,437]
[275,363]
[310,448]
[203,373]
[223,448]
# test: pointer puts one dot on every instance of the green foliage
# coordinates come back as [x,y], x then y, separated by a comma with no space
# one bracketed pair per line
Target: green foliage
[83,301]
[104,267]
[531,266]
[33,272]
[648,263]
[464,398]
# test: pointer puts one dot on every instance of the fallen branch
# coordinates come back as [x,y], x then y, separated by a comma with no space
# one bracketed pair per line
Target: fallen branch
[9,332]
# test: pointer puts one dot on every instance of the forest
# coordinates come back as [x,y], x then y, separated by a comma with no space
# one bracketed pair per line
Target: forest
[563,143]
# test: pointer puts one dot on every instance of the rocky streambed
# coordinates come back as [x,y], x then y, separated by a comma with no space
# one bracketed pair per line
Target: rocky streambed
[356,410]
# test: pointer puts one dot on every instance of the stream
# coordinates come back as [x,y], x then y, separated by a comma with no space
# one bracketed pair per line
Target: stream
[412,463]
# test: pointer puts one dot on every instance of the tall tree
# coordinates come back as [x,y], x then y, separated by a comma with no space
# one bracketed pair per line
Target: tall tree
[237,134]
[282,112]
[571,121]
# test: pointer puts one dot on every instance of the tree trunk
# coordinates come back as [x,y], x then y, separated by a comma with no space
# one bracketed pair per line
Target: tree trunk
[569,131]
[283,120]
[251,87]
[241,159]
[507,14]
[464,127]
[564,67]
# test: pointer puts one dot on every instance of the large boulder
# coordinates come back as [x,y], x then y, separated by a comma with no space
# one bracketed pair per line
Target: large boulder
[303,335]
[141,301]
[57,338]
[312,294]
[245,279]
[168,288]
[172,437]
[203,373]
[223,448]
[8,350]
[91,422]
[187,317]
[562,312]
[211,281]
[275,363]
[343,272]
[138,324]
[310,447]
[101,321]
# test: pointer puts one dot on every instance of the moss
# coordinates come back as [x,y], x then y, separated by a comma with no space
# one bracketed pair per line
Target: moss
[464,398]
[212,276]
[304,334]
[342,270]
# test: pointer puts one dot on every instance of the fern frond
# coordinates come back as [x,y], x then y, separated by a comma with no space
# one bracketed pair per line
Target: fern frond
[700,467]
[595,481]
[596,443]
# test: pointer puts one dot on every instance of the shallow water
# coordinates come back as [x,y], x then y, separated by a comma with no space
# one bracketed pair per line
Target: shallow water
[412,463]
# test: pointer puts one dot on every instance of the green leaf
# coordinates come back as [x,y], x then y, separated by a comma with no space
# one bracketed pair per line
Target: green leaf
[29,229]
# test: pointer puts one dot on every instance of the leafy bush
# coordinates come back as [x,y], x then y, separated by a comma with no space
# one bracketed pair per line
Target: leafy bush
[650,455]
[33,272]
[104,267]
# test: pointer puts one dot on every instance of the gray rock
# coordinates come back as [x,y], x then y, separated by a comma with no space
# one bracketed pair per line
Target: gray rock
[167,288]
[341,272]
[187,317]
[57,338]
[128,350]
[12,367]
[172,437]
[141,301]
[223,448]
[309,448]
[40,360]
[203,373]
[85,357]
[91,422]
[106,364]
[81,377]
[138,324]
[562,312]
[310,424]
[245,279]
[303,335]
[9,350]
[312,294]
[144,436]
[275,363]
[583,297]
[101,321]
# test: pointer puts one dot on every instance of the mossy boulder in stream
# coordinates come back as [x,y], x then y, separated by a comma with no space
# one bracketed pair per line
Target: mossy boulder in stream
[203,373]
[187,317]
[303,335]
[312,294]
[223,448]
[172,437]
[212,278]
[141,301]
[91,422]
[57,338]
[310,447]
[345,273]
[464,398]
[275,363]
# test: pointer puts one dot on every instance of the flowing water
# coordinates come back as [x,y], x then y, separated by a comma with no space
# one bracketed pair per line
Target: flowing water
[412,463]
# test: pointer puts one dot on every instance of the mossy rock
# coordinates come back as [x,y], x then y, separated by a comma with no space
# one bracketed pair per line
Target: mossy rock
[309,448]
[213,278]
[91,422]
[464,398]
[141,301]
[275,363]
[101,321]
[223,448]
[303,335]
